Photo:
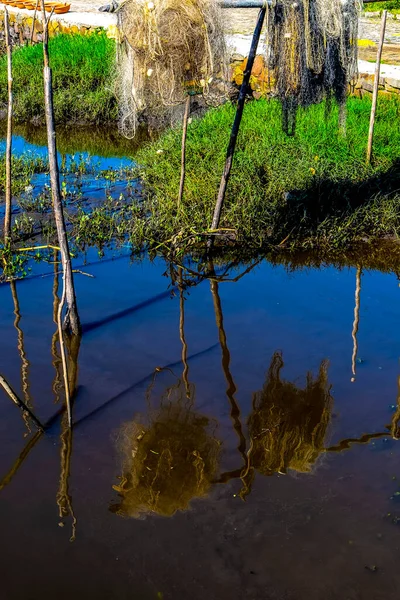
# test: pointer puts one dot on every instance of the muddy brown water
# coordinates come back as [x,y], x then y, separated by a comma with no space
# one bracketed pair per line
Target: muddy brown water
[327,528]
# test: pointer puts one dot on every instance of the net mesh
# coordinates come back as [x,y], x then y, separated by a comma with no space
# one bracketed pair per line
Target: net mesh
[312,52]
[170,48]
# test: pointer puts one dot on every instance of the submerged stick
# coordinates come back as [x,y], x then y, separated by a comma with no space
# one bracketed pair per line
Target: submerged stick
[8,199]
[72,318]
[236,124]
[183,153]
[376,87]
[18,402]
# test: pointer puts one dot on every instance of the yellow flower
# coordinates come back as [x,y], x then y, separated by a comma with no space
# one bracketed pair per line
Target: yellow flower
[312,171]
[316,158]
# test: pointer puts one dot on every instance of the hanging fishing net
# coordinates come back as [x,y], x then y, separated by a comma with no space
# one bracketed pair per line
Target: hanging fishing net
[170,48]
[168,458]
[312,52]
[288,424]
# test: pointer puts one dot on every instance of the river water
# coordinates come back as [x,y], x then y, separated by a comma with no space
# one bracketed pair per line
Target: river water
[235,438]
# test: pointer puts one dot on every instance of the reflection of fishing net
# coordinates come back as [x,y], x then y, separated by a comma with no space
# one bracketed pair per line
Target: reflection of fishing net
[312,51]
[288,424]
[171,47]
[168,461]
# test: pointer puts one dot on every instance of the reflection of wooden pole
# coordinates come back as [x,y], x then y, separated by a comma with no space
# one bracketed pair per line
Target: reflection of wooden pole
[8,199]
[185,375]
[376,87]
[31,443]
[236,124]
[395,429]
[183,154]
[356,323]
[21,346]
[72,318]
[226,359]
[63,498]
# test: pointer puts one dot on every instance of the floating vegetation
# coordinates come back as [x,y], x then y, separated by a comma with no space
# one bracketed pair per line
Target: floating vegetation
[168,460]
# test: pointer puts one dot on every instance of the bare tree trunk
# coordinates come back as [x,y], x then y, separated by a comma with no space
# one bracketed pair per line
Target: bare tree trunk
[376,87]
[236,124]
[7,219]
[183,155]
[71,320]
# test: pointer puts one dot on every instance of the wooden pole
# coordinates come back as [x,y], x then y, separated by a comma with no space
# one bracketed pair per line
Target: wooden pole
[33,22]
[7,218]
[236,124]
[71,320]
[183,153]
[376,87]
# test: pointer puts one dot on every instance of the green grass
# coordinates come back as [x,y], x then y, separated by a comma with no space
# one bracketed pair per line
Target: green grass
[313,189]
[82,79]
[391,5]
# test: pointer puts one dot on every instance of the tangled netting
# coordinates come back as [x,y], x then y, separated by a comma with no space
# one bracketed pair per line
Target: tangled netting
[312,52]
[170,48]
[288,424]
[168,460]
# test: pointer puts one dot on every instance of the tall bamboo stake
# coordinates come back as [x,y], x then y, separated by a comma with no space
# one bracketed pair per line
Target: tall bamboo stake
[7,219]
[236,124]
[183,153]
[376,87]
[72,318]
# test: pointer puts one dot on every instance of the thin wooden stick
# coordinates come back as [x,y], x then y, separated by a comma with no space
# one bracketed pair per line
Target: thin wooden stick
[7,219]
[72,318]
[18,402]
[33,22]
[183,154]
[376,87]
[236,124]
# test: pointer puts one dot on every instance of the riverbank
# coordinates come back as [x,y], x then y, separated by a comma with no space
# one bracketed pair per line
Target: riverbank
[312,190]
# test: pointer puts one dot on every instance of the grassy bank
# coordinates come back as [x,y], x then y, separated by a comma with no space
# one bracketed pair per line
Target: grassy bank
[312,190]
[82,76]
[391,5]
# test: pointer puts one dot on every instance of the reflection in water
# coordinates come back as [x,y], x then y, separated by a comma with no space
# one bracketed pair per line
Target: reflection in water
[185,374]
[57,362]
[356,323]
[226,359]
[22,354]
[63,498]
[168,460]
[288,424]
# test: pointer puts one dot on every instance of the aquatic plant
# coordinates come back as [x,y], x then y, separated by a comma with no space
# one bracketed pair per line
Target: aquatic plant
[168,460]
